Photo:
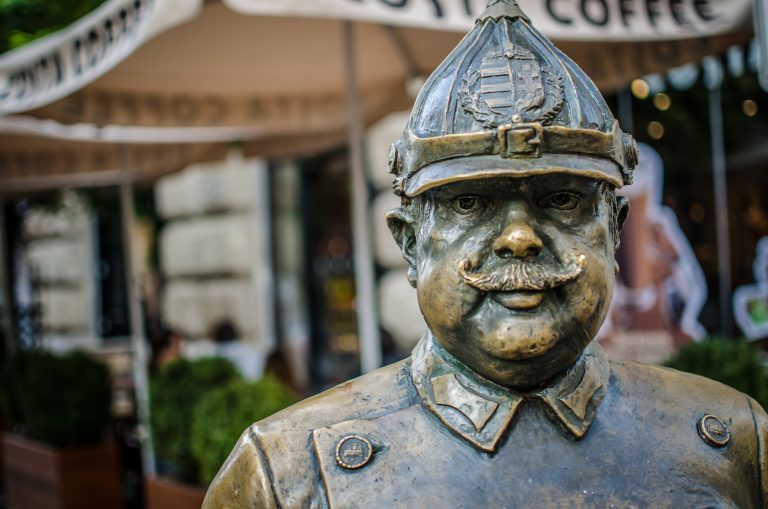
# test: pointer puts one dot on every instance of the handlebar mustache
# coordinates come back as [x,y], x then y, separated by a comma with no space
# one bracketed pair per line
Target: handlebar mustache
[524,275]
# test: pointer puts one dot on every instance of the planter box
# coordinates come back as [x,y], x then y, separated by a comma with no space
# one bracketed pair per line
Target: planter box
[37,476]
[164,493]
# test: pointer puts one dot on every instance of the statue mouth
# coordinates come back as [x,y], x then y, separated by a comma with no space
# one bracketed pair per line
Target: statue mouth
[520,300]
[523,283]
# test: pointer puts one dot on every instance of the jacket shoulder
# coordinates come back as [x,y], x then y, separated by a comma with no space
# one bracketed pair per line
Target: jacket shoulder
[274,463]
[761,425]
[662,391]
[661,385]
[383,391]
[243,481]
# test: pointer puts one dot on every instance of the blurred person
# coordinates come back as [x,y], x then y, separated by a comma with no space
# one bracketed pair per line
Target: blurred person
[248,360]
[166,347]
[279,366]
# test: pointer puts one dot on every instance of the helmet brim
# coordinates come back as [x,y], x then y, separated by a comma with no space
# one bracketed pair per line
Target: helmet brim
[492,166]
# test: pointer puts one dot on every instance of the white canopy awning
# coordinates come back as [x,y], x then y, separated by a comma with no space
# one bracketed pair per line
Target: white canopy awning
[183,71]
[69,60]
[562,20]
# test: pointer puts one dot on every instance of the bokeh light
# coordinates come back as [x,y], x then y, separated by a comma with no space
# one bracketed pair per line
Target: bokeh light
[749,107]
[640,88]
[655,130]
[662,101]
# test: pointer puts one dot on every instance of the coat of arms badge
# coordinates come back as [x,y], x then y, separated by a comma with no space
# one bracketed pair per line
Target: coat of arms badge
[510,87]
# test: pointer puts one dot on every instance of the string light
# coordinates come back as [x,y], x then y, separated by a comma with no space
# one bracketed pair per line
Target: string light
[655,130]
[749,107]
[662,101]
[640,88]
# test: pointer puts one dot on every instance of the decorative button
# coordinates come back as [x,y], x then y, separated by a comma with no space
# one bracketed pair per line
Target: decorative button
[714,431]
[353,452]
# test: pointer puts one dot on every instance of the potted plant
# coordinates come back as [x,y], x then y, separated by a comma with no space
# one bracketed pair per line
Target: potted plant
[733,362]
[175,389]
[55,455]
[221,416]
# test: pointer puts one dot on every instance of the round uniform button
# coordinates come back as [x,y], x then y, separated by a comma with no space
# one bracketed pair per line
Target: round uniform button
[714,431]
[353,452]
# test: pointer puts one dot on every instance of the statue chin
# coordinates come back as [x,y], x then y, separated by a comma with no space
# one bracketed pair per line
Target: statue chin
[521,351]
[513,341]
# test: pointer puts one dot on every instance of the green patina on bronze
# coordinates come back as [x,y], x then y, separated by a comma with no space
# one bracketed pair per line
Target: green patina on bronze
[509,222]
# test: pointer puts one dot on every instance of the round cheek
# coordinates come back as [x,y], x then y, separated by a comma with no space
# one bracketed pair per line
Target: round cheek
[591,295]
[588,298]
[434,290]
[444,298]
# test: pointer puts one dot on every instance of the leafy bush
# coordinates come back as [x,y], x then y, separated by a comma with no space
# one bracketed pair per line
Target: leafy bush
[221,416]
[60,400]
[174,391]
[730,361]
[22,21]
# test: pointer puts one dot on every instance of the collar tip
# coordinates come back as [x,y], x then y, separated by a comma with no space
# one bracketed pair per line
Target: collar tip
[578,433]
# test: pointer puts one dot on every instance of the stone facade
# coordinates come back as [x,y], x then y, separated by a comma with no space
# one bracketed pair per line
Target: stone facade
[215,255]
[59,255]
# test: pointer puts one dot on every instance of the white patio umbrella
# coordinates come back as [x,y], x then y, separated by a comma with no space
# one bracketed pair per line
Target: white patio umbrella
[247,69]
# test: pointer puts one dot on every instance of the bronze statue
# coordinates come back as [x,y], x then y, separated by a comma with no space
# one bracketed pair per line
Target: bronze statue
[509,222]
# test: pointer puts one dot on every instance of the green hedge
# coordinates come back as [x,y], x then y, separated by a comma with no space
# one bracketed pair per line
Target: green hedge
[174,391]
[733,362]
[60,400]
[23,21]
[221,416]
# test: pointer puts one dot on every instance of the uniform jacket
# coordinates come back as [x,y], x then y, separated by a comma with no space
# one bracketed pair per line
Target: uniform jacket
[605,434]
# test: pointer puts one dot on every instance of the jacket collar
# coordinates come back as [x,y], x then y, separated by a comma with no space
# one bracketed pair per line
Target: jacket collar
[480,411]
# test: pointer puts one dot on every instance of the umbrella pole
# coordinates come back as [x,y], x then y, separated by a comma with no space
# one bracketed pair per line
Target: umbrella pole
[264,271]
[624,109]
[5,284]
[721,206]
[367,323]
[140,378]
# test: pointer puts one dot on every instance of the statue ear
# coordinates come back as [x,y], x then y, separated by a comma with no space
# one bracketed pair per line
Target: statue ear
[400,222]
[622,203]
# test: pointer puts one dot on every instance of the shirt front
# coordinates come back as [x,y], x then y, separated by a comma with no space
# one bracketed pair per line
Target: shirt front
[601,435]
[430,432]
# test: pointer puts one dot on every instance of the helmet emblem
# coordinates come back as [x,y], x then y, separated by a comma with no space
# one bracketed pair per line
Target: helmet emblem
[510,87]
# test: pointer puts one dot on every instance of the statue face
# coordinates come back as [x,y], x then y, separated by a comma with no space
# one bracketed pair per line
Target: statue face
[514,275]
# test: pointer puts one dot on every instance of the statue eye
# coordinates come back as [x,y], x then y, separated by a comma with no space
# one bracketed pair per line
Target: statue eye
[561,201]
[465,204]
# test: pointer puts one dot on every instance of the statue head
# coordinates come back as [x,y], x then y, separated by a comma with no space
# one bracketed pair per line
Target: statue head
[509,221]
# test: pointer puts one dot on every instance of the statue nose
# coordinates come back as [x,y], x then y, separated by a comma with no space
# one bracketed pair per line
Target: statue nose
[518,240]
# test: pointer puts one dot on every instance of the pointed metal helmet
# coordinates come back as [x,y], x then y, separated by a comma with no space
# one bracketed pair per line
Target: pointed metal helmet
[506,102]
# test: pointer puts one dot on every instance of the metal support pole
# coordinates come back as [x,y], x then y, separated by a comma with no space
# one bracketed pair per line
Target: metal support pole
[140,377]
[721,207]
[624,110]
[263,274]
[367,323]
[5,284]
[760,19]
